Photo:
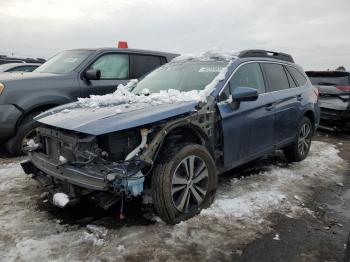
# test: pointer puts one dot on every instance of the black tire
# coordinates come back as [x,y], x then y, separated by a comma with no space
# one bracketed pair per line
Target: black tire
[25,130]
[163,183]
[300,148]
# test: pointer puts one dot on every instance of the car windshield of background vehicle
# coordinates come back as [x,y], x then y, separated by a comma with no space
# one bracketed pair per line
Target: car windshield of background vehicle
[330,81]
[64,62]
[182,76]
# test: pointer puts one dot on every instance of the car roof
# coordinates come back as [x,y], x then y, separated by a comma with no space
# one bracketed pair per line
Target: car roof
[22,64]
[335,73]
[127,50]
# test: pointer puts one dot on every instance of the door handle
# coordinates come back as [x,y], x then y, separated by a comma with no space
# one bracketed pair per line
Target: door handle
[270,107]
[299,97]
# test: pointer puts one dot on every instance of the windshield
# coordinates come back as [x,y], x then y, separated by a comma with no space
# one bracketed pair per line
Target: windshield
[335,78]
[64,62]
[182,76]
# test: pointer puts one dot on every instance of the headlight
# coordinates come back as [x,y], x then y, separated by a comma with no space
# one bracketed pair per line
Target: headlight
[1,88]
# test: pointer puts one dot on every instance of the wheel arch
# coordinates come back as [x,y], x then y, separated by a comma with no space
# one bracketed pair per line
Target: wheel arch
[38,108]
[311,115]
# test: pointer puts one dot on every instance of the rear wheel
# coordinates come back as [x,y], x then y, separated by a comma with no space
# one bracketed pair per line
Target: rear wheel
[300,148]
[183,183]
[26,130]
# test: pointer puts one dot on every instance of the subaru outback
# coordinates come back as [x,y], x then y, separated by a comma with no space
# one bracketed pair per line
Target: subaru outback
[167,137]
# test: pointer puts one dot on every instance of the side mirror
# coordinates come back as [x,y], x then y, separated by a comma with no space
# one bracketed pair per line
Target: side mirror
[93,74]
[241,94]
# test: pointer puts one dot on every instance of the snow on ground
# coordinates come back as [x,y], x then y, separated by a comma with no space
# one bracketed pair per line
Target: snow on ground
[239,214]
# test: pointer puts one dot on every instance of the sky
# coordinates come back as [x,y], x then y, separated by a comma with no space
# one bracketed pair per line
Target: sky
[315,33]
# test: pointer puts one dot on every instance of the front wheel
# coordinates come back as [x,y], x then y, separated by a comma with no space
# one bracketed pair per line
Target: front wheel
[300,148]
[183,183]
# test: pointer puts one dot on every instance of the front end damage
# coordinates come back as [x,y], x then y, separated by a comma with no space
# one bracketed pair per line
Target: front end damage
[110,167]
[76,166]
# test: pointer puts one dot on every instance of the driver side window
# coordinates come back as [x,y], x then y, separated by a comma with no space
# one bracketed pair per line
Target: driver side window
[112,66]
[248,75]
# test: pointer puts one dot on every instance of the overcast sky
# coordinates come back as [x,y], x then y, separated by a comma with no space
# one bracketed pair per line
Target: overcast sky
[316,33]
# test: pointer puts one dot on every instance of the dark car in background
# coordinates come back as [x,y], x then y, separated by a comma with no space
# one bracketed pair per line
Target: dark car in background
[11,59]
[334,88]
[179,127]
[62,79]
[18,67]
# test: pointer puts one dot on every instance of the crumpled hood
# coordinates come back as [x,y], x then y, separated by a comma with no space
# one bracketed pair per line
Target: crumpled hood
[97,121]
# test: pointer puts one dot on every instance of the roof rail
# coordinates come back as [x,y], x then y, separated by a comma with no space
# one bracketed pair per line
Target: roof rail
[264,53]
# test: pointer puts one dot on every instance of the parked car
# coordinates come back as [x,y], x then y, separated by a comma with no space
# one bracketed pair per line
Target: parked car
[334,88]
[10,59]
[18,67]
[65,77]
[179,127]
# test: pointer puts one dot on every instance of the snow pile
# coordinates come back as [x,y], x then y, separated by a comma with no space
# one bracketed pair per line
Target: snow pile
[248,205]
[60,199]
[214,54]
[123,95]
[31,143]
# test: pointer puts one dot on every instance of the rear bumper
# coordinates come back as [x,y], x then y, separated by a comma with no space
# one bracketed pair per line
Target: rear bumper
[338,118]
[9,115]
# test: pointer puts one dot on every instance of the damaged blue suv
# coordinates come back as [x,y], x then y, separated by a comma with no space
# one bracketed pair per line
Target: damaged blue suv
[167,137]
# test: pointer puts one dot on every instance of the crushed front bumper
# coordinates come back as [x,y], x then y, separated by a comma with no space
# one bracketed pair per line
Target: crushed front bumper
[90,181]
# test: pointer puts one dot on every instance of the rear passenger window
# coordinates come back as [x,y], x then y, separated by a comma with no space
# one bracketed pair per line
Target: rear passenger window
[248,75]
[299,77]
[277,76]
[291,80]
[144,64]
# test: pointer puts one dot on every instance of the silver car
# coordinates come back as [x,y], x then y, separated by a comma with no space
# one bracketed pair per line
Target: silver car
[334,88]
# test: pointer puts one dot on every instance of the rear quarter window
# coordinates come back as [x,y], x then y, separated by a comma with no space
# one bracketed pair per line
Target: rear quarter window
[299,77]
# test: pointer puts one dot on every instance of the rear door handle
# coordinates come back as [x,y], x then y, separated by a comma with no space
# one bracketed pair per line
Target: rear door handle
[299,97]
[270,107]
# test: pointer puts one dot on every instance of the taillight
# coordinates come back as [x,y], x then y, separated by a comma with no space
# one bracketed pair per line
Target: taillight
[344,88]
[317,92]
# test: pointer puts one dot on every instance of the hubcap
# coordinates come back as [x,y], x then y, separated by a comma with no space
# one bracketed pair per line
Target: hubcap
[189,184]
[304,140]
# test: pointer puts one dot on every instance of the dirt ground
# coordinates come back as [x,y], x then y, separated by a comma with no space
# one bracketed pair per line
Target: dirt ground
[268,210]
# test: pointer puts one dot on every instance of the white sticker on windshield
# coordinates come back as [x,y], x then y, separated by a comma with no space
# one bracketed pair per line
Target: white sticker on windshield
[70,60]
[210,69]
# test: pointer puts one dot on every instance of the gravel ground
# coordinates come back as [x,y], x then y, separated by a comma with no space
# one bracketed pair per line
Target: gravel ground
[268,210]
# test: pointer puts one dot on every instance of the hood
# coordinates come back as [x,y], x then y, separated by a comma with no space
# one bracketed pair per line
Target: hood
[97,121]
[14,76]
[6,77]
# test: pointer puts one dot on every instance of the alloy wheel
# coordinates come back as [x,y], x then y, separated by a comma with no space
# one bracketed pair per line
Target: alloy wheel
[189,184]
[304,140]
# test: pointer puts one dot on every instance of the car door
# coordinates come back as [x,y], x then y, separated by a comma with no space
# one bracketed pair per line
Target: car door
[115,70]
[287,101]
[247,130]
